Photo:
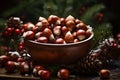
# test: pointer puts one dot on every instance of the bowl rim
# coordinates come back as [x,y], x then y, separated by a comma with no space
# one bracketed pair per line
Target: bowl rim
[67,44]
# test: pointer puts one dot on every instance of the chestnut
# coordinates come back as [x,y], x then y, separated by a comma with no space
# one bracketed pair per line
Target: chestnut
[3,60]
[24,68]
[35,30]
[88,33]
[38,34]
[41,19]
[47,32]
[70,25]
[39,25]
[76,40]
[29,26]
[81,26]
[42,25]
[29,35]
[52,19]
[77,21]
[10,66]
[81,34]
[37,68]
[62,20]
[104,73]
[42,39]
[69,37]
[59,41]
[64,30]
[64,73]
[69,18]
[57,30]
[44,74]
[74,34]
[58,22]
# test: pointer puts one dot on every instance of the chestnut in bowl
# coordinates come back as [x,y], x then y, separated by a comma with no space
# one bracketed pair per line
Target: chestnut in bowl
[48,53]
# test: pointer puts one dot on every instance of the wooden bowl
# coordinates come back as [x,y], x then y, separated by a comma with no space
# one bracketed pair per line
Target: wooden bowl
[46,53]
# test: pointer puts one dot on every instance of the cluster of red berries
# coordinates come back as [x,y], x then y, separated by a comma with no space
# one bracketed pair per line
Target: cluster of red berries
[57,30]
[20,47]
[10,31]
[14,62]
[13,27]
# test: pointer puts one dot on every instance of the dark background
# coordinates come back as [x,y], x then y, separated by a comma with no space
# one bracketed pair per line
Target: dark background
[113,6]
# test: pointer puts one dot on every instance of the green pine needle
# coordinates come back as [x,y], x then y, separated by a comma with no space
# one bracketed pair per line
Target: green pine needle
[89,15]
[101,32]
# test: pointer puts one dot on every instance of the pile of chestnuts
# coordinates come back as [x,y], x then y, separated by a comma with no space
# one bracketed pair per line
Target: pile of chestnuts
[57,30]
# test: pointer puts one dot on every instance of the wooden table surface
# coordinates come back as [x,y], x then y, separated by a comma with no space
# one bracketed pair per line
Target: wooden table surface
[115,75]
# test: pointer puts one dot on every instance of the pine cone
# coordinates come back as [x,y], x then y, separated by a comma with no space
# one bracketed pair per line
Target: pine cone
[14,22]
[110,48]
[89,64]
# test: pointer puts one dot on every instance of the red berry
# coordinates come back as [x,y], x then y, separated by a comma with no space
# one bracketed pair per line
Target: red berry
[45,74]
[7,34]
[64,73]
[17,31]
[21,44]
[115,45]
[10,30]
[100,17]
[21,48]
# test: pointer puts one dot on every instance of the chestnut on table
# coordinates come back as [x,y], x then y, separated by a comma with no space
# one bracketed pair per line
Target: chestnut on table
[115,75]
